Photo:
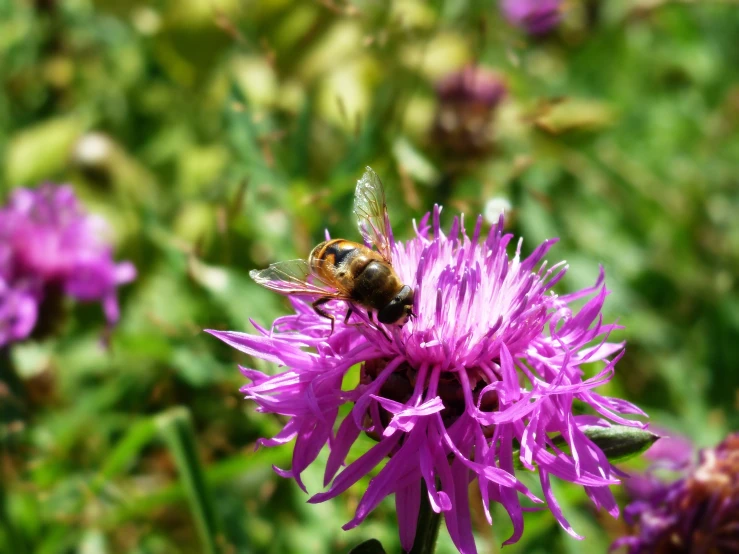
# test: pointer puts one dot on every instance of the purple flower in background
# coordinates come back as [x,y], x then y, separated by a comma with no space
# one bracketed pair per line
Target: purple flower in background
[536,17]
[698,513]
[669,454]
[485,376]
[472,84]
[467,102]
[49,246]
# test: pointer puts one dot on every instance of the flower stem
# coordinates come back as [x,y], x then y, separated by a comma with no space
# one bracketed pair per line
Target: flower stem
[427,530]
[14,404]
[7,372]
[13,536]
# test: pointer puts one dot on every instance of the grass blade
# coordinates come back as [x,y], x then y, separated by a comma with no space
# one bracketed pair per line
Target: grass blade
[175,427]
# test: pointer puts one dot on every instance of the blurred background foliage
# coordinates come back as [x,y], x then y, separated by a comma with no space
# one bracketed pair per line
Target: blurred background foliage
[218,136]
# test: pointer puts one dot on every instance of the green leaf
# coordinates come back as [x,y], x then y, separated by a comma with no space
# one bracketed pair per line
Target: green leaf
[177,431]
[219,474]
[619,442]
[125,452]
[371,546]
[12,536]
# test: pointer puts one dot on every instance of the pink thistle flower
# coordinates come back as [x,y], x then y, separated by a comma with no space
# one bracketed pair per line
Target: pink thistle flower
[536,17]
[483,377]
[50,245]
[697,512]
[468,99]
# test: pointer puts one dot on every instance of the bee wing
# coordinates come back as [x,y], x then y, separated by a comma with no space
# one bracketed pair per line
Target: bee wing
[371,211]
[293,277]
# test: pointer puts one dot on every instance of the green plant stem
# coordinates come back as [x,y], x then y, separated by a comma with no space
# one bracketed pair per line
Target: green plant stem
[427,530]
[4,358]
[12,537]
[8,374]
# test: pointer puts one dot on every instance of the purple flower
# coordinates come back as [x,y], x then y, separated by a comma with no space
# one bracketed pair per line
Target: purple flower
[698,513]
[472,84]
[536,17]
[467,102]
[485,376]
[671,451]
[50,245]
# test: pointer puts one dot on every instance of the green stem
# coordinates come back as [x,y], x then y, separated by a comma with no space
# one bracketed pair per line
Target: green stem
[5,359]
[427,530]
[8,374]
[13,537]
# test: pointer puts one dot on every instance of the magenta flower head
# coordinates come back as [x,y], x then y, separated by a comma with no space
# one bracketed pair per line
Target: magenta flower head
[536,17]
[698,512]
[468,99]
[49,246]
[486,376]
[472,85]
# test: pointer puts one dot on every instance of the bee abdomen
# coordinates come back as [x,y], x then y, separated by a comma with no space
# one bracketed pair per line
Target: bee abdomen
[333,260]
[337,251]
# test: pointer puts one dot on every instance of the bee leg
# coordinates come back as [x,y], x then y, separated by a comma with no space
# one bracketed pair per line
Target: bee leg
[348,314]
[377,325]
[324,313]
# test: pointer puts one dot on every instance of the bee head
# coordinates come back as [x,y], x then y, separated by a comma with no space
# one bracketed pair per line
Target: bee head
[399,308]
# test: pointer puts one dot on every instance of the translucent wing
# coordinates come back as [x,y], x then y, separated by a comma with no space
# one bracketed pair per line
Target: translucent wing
[293,277]
[371,211]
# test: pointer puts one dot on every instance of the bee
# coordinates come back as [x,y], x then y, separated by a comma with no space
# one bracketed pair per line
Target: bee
[340,269]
